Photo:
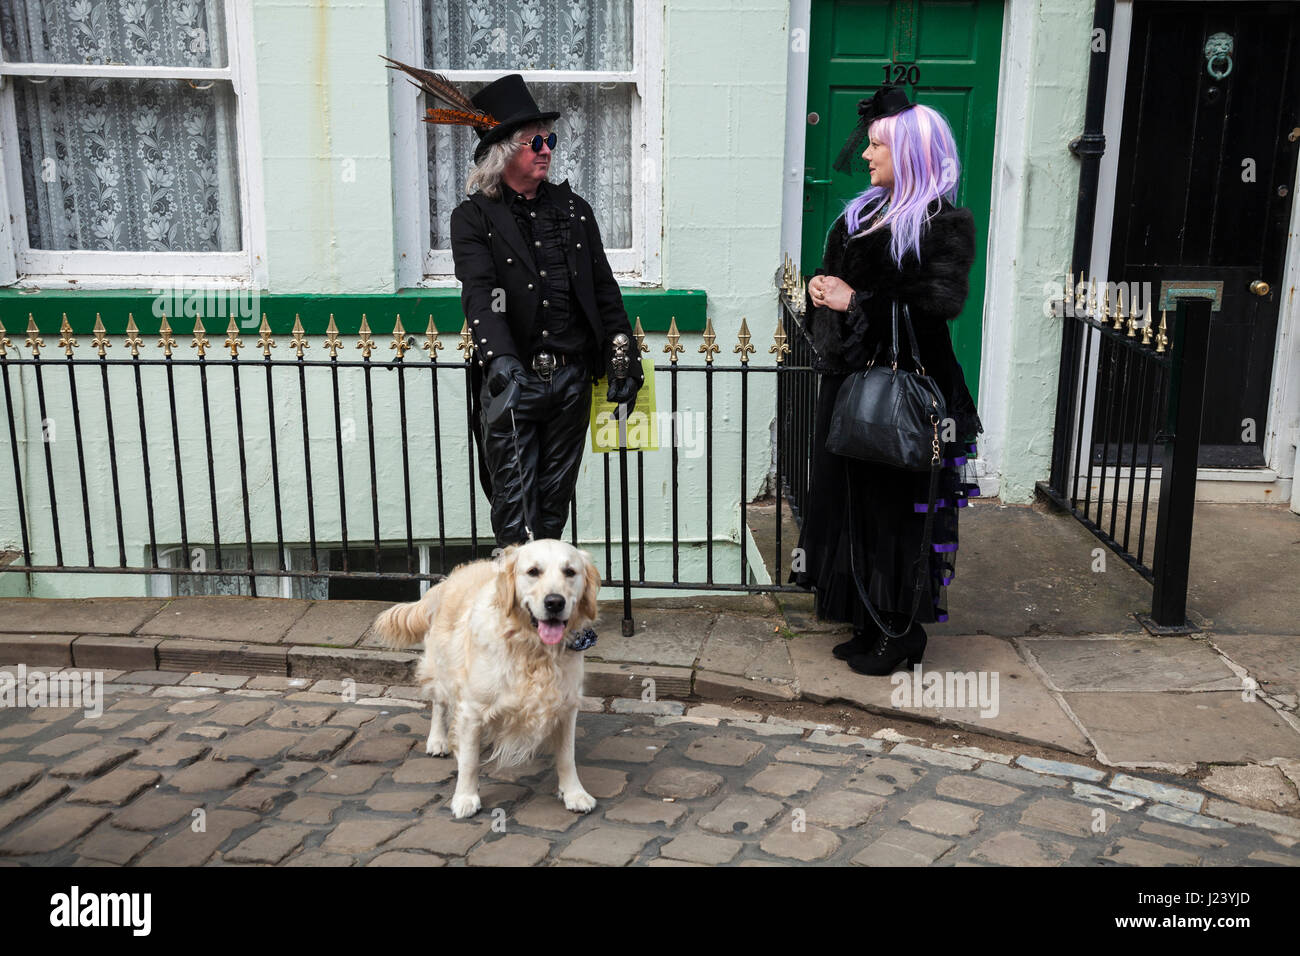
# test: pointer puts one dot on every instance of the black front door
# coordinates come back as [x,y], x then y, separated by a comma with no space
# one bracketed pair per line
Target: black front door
[1207,162]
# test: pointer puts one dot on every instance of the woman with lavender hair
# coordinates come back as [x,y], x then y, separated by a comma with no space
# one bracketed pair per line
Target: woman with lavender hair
[901,240]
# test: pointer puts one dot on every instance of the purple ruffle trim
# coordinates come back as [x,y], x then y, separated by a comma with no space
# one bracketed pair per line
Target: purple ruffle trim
[944,548]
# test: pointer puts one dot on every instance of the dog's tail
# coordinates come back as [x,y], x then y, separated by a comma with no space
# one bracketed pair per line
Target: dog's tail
[405,624]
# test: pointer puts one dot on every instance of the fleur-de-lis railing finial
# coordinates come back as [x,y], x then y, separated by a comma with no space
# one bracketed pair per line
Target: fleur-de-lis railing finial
[431,343]
[233,341]
[264,340]
[166,341]
[66,339]
[778,346]
[674,345]
[363,336]
[5,341]
[332,338]
[709,347]
[640,338]
[200,338]
[743,346]
[133,339]
[101,336]
[1162,339]
[466,341]
[299,340]
[34,340]
[399,343]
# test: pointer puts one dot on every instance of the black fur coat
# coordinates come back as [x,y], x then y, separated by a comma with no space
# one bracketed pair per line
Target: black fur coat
[935,290]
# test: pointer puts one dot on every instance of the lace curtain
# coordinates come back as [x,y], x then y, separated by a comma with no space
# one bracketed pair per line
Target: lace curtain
[595,128]
[124,165]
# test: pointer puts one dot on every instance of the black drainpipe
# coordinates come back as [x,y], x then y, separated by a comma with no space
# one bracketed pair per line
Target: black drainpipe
[1089,148]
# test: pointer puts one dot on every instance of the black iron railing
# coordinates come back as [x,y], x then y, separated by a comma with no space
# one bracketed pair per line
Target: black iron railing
[1128,426]
[257,468]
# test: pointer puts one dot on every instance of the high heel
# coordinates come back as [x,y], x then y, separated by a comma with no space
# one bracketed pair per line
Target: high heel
[862,642]
[891,652]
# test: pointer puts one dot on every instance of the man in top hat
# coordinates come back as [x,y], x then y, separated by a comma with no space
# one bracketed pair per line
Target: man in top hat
[543,309]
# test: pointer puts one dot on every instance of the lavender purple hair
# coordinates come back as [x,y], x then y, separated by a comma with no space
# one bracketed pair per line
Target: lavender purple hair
[926,168]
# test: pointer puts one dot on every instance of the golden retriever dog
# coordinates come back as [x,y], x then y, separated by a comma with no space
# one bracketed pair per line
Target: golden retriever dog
[497,664]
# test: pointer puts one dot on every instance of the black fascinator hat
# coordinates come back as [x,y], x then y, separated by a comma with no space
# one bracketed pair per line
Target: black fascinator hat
[886,101]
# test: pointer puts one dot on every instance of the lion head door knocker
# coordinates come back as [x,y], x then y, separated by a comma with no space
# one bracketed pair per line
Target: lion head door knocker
[1218,55]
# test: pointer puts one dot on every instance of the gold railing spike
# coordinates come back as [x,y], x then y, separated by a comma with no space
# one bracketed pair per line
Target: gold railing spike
[299,340]
[743,346]
[363,338]
[1131,322]
[639,332]
[66,340]
[431,343]
[709,348]
[200,338]
[1162,339]
[34,340]
[165,340]
[399,338]
[332,338]
[264,340]
[5,341]
[674,345]
[233,341]
[1146,326]
[778,346]
[133,339]
[466,341]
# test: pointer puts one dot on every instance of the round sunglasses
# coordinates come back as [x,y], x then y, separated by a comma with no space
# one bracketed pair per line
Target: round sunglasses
[537,141]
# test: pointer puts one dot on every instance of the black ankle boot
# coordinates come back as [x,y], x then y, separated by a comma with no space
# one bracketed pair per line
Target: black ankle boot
[862,642]
[890,652]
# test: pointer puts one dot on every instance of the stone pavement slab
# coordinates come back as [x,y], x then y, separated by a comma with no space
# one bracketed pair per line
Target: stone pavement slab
[244,619]
[77,615]
[669,639]
[1025,708]
[1132,664]
[1182,729]
[337,624]
[1272,660]
[754,648]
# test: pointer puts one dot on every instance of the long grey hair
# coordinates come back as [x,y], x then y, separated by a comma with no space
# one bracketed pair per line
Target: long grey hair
[485,175]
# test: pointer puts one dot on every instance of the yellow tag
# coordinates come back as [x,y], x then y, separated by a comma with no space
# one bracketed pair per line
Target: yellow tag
[642,423]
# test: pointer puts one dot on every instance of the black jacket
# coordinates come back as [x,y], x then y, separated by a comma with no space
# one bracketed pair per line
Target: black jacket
[935,291]
[491,254]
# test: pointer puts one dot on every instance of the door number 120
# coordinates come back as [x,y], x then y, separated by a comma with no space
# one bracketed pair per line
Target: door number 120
[898,73]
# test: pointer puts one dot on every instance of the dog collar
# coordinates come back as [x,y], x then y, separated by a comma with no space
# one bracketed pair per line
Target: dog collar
[583,641]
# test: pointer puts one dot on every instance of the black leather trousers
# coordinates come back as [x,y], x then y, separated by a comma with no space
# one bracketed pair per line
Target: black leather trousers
[551,420]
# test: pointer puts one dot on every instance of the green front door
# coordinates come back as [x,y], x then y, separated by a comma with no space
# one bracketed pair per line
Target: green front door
[946,54]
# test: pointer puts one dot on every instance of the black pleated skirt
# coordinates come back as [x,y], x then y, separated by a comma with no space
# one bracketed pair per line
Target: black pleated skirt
[888,526]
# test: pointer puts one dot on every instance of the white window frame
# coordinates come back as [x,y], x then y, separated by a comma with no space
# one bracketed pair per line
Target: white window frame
[99,269]
[638,265]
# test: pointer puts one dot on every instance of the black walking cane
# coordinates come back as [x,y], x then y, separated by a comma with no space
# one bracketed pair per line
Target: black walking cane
[620,365]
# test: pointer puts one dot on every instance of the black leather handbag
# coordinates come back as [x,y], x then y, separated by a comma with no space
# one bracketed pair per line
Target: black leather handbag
[891,416]
[887,415]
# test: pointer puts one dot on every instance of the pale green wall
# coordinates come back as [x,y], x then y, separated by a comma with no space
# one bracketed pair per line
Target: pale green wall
[1055,115]
[325,136]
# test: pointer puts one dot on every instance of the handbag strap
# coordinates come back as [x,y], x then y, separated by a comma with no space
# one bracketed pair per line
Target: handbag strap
[911,335]
[922,560]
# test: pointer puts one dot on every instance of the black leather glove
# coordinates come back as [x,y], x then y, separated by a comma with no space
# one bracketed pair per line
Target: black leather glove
[501,371]
[623,390]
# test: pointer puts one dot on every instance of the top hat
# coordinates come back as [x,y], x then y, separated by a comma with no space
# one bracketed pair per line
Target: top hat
[509,101]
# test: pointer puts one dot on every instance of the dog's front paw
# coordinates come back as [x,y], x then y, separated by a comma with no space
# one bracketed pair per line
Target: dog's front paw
[467,804]
[579,802]
[437,748]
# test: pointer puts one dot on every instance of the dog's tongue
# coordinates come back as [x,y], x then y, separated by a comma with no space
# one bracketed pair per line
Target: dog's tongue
[550,633]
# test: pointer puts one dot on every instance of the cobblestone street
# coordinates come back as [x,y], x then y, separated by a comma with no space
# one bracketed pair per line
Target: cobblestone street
[334,774]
